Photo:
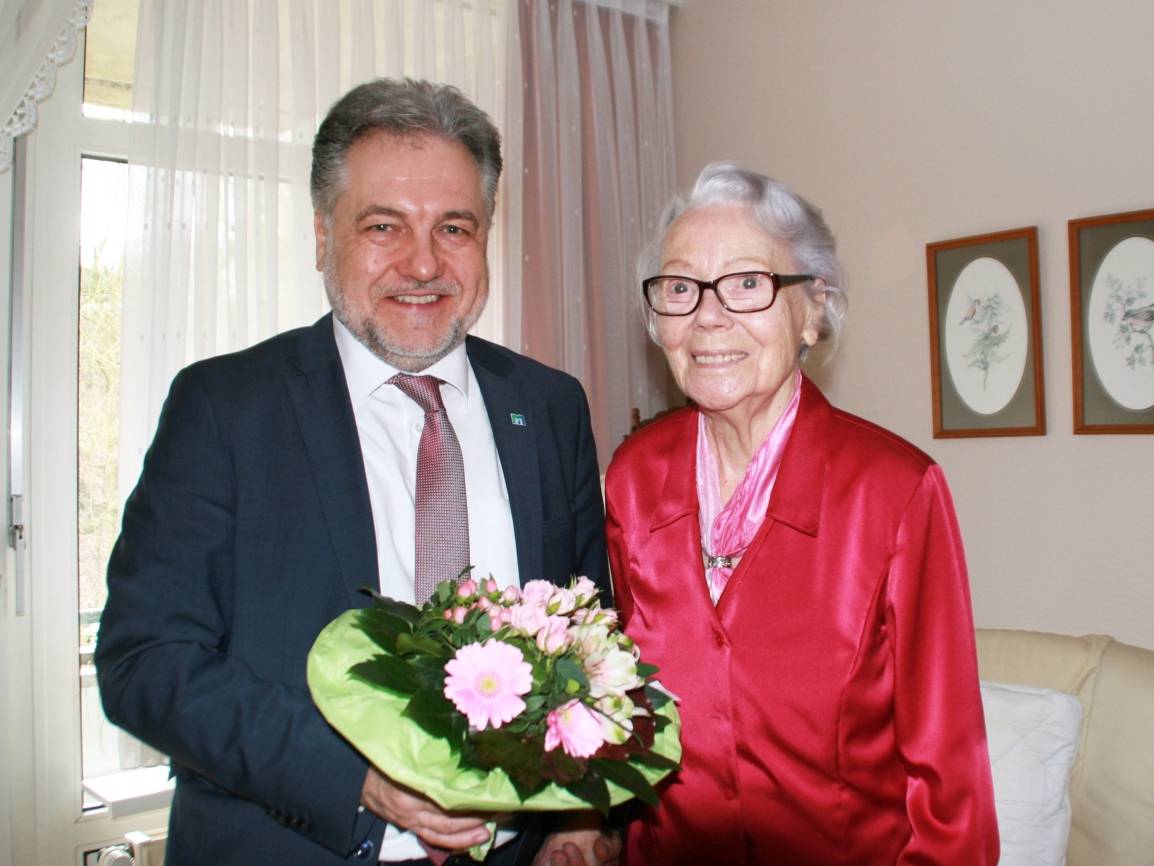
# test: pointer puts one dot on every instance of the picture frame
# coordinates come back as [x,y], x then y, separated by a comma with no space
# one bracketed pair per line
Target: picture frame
[986,335]
[1112,322]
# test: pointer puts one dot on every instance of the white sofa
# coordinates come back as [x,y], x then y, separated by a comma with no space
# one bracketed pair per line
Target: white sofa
[1112,779]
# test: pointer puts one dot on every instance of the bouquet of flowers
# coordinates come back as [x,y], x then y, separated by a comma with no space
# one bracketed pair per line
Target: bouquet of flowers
[499,700]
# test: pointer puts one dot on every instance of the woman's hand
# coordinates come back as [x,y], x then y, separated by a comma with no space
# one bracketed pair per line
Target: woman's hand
[582,841]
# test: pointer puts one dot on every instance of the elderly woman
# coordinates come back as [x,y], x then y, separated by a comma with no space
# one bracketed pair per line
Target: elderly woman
[795,572]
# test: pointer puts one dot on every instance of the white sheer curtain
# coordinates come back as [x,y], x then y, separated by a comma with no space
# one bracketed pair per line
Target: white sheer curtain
[599,167]
[36,37]
[228,95]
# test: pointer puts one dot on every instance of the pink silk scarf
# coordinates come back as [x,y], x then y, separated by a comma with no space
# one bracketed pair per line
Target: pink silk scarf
[729,530]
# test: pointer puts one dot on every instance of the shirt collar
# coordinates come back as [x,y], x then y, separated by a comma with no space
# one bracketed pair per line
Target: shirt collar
[365,372]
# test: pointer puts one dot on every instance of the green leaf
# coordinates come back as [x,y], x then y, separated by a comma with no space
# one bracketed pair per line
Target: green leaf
[383,627]
[400,609]
[516,756]
[386,672]
[423,645]
[569,676]
[657,698]
[645,671]
[654,760]
[628,777]
[437,717]
[445,592]
[592,789]
[429,673]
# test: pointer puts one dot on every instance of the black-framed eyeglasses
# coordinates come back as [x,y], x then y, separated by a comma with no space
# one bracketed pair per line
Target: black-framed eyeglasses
[743,292]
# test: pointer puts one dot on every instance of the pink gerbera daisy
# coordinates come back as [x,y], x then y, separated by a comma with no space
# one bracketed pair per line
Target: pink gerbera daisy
[486,681]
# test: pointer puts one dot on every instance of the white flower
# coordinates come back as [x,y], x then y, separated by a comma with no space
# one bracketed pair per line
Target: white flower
[612,673]
[592,638]
[616,718]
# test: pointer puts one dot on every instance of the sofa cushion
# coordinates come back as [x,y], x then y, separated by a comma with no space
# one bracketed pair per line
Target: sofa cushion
[1033,739]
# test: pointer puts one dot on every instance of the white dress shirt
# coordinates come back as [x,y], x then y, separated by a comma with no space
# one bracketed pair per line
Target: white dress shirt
[389,425]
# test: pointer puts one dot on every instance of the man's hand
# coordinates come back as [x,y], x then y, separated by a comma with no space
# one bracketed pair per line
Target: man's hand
[582,841]
[407,809]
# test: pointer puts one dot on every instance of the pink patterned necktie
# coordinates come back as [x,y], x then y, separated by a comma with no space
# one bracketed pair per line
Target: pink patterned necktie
[442,515]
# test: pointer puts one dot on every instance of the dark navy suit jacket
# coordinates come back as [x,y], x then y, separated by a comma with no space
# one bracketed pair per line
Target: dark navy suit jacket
[249,530]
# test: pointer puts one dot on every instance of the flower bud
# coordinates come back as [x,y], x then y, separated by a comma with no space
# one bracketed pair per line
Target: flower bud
[563,602]
[585,590]
[553,638]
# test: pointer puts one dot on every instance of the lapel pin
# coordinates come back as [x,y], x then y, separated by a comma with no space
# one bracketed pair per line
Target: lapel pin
[517,418]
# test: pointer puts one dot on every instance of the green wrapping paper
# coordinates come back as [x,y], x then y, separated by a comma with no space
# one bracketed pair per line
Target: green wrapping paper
[370,718]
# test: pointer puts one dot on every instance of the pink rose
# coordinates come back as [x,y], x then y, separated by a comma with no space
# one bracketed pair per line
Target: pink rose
[528,618]
[537,591]
[562,602]
[553,638]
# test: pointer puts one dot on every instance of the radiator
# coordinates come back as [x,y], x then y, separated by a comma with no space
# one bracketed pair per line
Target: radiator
[137,849]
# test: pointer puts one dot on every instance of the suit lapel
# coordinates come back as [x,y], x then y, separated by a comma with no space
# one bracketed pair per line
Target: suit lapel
[511,418]
[320,398]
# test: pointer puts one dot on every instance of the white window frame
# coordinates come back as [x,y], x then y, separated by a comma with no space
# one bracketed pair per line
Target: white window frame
[43,821]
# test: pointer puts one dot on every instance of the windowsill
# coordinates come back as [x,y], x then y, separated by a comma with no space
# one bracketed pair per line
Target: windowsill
[132,791]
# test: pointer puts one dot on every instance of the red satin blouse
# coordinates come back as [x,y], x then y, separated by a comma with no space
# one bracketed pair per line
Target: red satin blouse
[830,703]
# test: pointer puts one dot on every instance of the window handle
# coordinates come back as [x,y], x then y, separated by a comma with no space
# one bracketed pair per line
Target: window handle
[18,544]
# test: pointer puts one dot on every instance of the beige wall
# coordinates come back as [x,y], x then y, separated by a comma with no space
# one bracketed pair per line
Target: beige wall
[909,122]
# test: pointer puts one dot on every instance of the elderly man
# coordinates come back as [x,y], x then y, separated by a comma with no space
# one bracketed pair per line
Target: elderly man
[285,476]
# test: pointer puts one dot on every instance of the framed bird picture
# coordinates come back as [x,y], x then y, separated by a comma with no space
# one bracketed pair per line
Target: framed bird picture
[986,335]
[1112,322]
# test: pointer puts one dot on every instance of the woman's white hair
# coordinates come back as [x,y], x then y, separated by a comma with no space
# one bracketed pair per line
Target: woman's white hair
[782,214]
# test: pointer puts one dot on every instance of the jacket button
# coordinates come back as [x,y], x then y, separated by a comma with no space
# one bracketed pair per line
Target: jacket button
[365,850]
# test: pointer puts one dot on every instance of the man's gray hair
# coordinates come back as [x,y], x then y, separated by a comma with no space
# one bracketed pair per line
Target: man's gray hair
[781,213]
[403,108]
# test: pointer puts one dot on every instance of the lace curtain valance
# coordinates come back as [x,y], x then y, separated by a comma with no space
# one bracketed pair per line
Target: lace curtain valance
[36,38]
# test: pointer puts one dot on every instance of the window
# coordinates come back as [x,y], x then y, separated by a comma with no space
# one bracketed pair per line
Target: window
[103,199]
[68,193]
[110,51]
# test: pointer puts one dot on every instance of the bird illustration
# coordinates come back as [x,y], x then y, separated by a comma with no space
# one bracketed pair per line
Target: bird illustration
[1139,318]
[971,312]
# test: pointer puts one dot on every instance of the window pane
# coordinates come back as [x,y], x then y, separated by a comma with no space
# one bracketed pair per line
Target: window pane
[109,56]
[103,201]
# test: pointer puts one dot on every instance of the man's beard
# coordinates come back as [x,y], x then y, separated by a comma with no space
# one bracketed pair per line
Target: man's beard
[371,335]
